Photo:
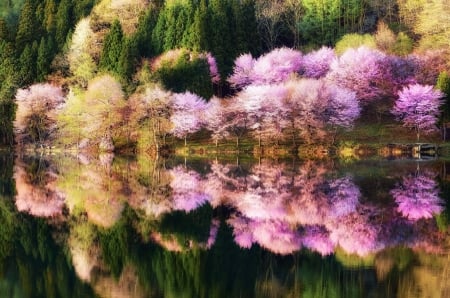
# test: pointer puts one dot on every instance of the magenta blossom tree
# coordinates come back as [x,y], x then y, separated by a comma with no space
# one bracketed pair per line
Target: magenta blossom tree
[417,107]
[362,70]
[417,196]
[316,64]
[213,69]
[242,71]
[186,117]
[274,67]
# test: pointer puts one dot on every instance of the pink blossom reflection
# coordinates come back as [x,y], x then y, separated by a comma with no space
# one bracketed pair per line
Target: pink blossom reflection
[317,239]
[187,190]
[36,192]
[418,196]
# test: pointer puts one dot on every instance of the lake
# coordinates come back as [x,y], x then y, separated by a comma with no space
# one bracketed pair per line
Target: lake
[76,226]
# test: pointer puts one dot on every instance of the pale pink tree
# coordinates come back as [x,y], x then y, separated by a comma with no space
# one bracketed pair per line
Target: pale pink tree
[276,236]
[341,110]
[186,117]
[316,64]
[37,107]
[213,117]
[236,120]
[417,196]
[313,104]
[242,71]
[276,66]
[361,70]
[417,107]
[263,105]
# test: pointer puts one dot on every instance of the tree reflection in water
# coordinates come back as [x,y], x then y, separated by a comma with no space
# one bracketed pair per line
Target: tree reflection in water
[129,217]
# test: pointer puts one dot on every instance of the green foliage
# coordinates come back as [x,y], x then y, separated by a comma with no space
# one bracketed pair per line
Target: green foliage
[186,74]
[27,60]
[128,59]
[403,45]
[112,48]
[27,31]
[44,58]
[114,243]
[354,40]
[10,10]
[143,35]
[324,22]
[443,84]
[188,226]
[63,22]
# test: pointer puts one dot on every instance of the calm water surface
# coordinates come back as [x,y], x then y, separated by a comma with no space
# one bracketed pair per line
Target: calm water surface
[238,227]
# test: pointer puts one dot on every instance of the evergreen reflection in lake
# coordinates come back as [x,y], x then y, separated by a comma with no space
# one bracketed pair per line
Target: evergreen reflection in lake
[246,228]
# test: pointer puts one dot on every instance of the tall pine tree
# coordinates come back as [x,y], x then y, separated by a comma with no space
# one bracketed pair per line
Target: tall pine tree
[112,48]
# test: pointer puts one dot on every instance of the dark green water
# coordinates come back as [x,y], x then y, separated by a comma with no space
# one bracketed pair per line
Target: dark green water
[135,227]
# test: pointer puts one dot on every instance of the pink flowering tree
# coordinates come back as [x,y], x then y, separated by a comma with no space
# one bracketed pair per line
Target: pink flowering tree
[417,107]
[342,109]
[274,67]
[313,104]
[186,117]
[263,105]
[236,121]
[361,70]
[213,69]
[417,196]
[213,117]
[242,71]
[36,112]
[316,64]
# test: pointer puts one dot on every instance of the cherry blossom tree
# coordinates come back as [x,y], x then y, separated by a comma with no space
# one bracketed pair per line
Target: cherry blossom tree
[37,107]
[274,67]
[213,69]
[316,64]
[213,117]
[242,71]
[263,105]
[417,107]
[186,118]
[361,70]
[417,196]
[313,104]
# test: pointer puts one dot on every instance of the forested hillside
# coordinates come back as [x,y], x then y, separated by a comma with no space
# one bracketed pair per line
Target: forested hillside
[124,46]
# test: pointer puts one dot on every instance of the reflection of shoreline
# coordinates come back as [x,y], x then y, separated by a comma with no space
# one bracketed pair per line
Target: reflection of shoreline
[281,206]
